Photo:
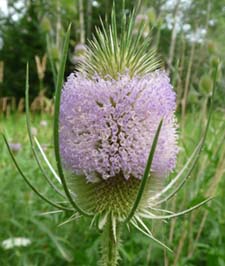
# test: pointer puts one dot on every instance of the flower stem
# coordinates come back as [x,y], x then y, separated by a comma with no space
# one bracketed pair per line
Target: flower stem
[109,244]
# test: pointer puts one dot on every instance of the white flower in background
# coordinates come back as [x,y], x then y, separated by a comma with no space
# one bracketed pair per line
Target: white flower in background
[43,123]
[33,131]
[197,36]
[212,22]
[186,27]
[15,242]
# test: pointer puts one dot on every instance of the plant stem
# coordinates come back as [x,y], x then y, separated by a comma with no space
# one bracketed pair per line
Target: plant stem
[110,243]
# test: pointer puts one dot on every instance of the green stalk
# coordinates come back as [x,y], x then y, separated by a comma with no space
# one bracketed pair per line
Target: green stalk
[109,244]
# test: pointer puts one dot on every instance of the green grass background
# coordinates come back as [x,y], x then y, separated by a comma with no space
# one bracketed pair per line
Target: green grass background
[76,244]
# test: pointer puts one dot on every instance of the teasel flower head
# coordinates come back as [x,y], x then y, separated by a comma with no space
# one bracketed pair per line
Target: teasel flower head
[119,107]
[107,127]
[115,136]
[109,115]
[117,122]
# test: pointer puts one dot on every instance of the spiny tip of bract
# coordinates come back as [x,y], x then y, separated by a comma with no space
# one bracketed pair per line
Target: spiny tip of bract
[117,50]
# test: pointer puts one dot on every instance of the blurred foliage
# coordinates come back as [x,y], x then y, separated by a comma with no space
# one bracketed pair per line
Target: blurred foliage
[22,40]
[23,36]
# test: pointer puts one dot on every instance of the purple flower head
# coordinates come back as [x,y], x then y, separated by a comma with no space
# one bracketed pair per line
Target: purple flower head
[107,126]
[15,147]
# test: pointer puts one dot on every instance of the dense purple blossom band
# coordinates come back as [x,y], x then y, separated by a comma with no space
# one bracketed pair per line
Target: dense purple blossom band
[107,126]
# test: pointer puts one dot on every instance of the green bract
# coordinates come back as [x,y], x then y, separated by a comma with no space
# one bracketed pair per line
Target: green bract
[111,53]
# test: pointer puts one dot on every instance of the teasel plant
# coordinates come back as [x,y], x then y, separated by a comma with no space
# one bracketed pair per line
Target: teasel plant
[115,137]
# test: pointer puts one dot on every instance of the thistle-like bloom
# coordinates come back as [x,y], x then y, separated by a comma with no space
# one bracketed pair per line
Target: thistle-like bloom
[109,115]
[107,126]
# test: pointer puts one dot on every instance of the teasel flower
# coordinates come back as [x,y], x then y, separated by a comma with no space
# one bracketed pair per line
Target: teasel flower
[115,137]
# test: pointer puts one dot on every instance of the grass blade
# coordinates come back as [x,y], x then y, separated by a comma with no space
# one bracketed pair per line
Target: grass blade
[31,138]
[179,175]
[52,64]
[62,250]
[183,212]
[190,169]
[47,161]
[211,102]
[29,183]
[150,236]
